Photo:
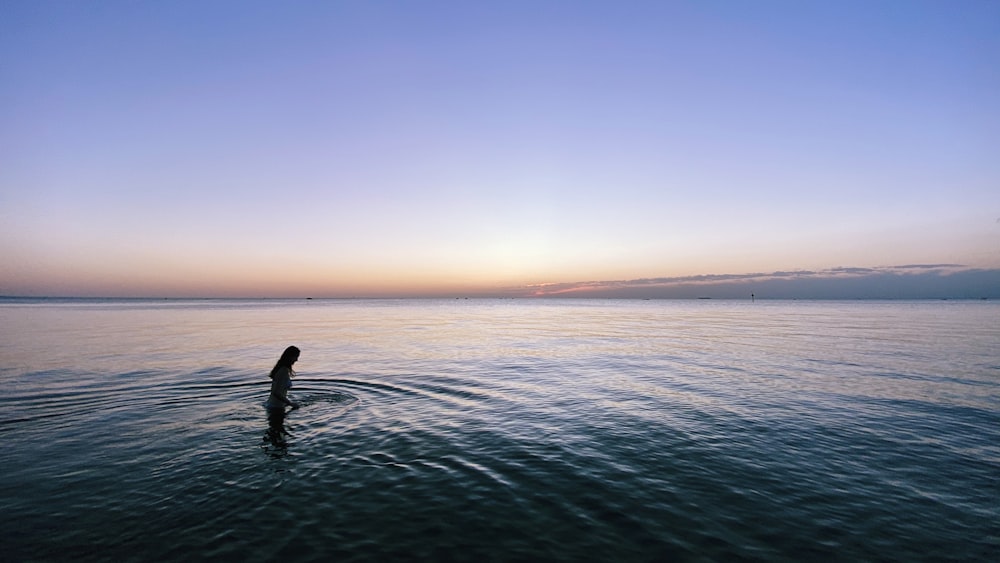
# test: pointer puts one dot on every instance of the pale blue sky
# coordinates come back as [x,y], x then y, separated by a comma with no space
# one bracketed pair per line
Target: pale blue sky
[344,148]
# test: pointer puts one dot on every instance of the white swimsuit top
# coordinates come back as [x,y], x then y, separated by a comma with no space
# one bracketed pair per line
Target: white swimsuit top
[279,389]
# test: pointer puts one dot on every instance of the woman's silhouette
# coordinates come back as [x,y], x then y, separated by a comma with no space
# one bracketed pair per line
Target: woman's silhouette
[281,382]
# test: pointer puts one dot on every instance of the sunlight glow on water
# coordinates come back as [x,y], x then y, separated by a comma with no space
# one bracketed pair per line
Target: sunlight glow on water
[567,430]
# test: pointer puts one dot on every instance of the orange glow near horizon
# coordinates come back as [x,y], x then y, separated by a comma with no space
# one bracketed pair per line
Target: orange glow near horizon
[482,155]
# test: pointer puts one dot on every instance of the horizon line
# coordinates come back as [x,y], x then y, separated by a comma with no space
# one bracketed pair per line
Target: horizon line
[908,281]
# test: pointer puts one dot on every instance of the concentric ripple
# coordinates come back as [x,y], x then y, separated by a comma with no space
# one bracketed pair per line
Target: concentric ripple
[559,430]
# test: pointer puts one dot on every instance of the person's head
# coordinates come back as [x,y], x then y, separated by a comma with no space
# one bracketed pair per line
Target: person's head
[287,359]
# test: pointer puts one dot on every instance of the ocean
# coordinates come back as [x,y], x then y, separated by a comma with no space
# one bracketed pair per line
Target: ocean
[501,430]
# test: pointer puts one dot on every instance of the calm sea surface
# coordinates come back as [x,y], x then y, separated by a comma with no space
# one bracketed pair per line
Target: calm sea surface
[501,430]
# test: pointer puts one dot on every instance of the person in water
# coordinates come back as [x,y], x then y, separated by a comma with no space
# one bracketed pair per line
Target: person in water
[281,380]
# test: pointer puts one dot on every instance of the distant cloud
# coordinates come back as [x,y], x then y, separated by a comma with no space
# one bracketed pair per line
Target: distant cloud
[929,266]
[903,281]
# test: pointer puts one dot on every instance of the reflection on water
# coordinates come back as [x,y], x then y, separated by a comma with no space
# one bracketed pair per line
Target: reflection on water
[564,430]
[275,439]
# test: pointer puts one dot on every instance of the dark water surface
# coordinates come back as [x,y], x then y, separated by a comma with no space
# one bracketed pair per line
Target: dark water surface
[502,430]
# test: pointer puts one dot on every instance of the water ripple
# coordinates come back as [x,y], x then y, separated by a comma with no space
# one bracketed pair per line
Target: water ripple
[564,431]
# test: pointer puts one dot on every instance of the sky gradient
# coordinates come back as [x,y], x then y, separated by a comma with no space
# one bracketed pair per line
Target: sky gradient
[338,149]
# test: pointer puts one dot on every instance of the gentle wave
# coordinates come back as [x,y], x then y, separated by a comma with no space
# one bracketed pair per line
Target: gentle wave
[565,431]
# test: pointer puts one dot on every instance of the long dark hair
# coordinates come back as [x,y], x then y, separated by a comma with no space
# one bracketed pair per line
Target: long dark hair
[285,361]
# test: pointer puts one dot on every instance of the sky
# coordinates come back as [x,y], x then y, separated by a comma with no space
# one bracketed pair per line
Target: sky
[367,148]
